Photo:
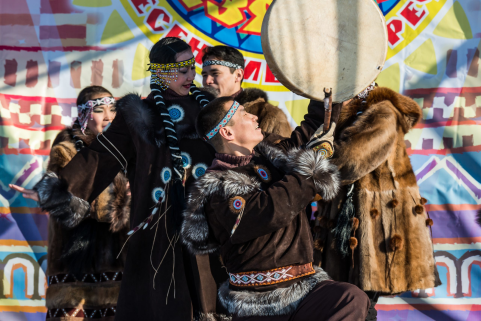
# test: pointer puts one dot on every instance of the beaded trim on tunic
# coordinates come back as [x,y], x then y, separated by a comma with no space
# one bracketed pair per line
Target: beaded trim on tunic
[82,313]
[277,275]
[86,278]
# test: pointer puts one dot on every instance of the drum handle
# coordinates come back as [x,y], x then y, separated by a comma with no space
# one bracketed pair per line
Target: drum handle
[327,108]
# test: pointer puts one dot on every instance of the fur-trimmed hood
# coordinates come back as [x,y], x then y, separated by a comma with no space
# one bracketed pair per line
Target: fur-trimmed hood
[195,228]
[408,111]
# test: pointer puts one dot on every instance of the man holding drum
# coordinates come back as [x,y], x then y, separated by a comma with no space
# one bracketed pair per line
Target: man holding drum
[223,72]
[249,206]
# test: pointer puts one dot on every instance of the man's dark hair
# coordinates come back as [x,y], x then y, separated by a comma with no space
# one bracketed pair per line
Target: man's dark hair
[210,116]
[224,53]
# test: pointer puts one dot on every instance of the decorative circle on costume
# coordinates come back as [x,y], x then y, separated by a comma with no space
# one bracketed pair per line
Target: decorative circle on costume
[236,204]
[199,170]
[263,173]
[186,159]
[324,149]
[166,175]
[176,113]
[158,193]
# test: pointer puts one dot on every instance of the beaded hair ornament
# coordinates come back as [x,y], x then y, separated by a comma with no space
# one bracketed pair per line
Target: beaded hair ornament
[85,110]
[223,122]
[164,74]
[221,63]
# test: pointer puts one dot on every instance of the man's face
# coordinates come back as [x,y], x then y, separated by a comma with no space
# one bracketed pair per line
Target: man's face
[221,79]
[245,131]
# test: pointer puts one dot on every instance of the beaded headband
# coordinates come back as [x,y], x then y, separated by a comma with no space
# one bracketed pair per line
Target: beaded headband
[97,102]
[85,110]
[223,122]
[163,74]
[221,63]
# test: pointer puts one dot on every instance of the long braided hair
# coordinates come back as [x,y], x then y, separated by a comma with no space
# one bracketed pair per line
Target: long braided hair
[163,52]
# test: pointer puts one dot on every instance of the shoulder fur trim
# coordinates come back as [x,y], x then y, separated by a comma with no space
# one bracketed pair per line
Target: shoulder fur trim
[59,202]
[280,301]
[251,94]
[139,117]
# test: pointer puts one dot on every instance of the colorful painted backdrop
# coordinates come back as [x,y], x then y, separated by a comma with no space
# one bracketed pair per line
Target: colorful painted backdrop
[50,49]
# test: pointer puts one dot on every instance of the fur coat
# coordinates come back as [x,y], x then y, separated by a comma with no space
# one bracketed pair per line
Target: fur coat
[271,118]
[85,252]
[389,237]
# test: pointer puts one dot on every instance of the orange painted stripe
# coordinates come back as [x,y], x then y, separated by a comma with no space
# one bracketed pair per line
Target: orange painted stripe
[4,308]
[23,243]
[21,210]
[457,240]
[421,307]
[451,207]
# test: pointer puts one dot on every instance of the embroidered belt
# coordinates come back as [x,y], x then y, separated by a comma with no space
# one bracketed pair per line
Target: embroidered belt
[82,313]
[277,275]
[86,278]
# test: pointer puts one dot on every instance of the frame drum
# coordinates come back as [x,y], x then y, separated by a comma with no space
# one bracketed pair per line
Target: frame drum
[311,45]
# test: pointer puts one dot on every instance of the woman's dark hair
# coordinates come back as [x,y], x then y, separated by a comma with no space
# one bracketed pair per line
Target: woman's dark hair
[87,93]
[166,49]
[210,116]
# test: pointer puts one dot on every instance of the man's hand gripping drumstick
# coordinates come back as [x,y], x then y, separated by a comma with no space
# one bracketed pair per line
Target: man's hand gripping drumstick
[323,138]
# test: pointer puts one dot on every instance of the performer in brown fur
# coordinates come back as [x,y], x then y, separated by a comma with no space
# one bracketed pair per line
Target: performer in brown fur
[249,207]
[223,72]
[84,274]
[376,234]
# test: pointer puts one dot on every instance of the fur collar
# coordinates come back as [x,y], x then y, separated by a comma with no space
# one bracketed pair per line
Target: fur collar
[250,95]
[409,111]
[280,301]
[195,228]
[140,116]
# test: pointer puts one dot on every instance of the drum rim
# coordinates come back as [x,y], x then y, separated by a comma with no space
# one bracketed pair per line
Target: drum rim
[284,79]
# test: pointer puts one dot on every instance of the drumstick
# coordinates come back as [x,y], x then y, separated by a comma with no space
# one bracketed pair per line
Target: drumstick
[327,108]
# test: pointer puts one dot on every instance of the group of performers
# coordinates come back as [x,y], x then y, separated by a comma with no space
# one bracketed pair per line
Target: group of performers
[190,204]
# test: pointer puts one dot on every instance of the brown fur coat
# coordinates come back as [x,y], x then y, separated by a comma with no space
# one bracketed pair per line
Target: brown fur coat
[90,247]
[271,118]
[390,233]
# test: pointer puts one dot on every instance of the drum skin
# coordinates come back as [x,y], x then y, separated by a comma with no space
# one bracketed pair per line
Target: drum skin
[312,45]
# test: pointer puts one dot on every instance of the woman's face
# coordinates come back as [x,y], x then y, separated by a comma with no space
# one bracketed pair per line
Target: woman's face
[101,115]
[185,76]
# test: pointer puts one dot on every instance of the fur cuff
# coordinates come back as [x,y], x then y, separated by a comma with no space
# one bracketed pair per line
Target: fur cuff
[310,163]
[211,317]
[59,202]
[280,301]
